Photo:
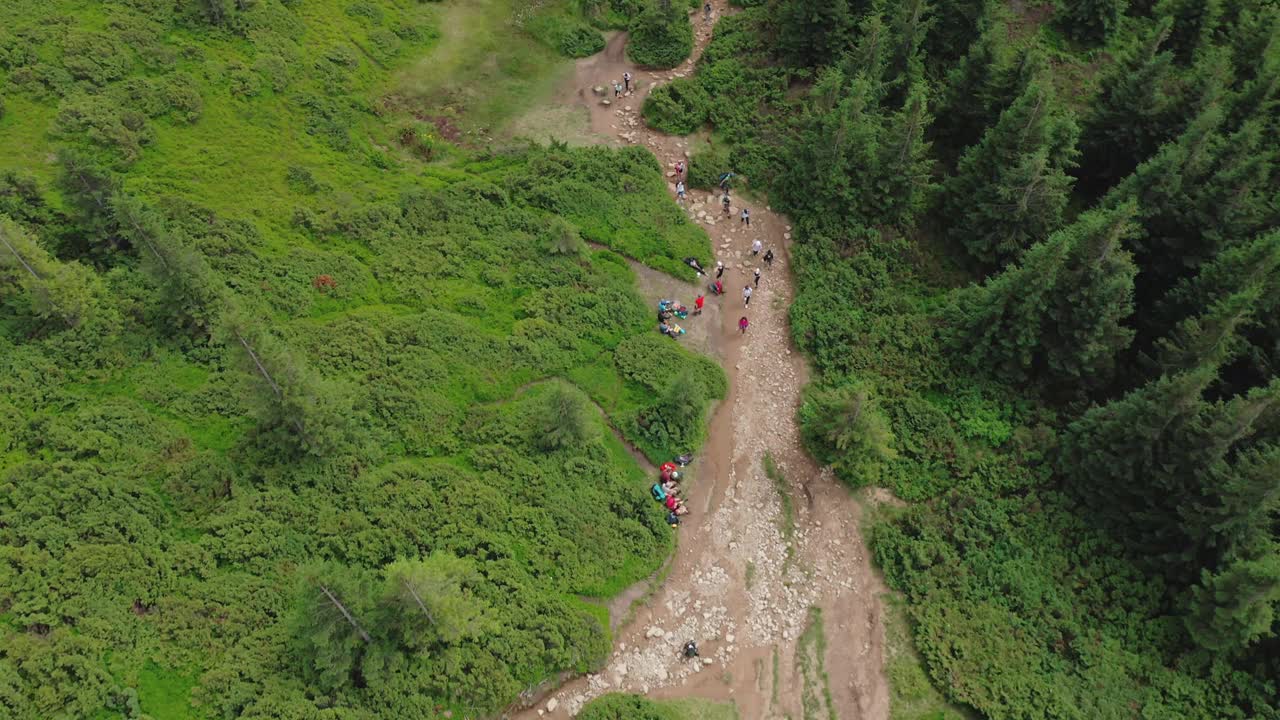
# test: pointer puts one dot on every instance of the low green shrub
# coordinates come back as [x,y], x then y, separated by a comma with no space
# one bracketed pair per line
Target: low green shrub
[678,107]
[620,706]
[845,428]
[706,166]
[660,39]
[580,41]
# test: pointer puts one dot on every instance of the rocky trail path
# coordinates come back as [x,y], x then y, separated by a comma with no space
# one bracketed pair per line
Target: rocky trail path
[771,578]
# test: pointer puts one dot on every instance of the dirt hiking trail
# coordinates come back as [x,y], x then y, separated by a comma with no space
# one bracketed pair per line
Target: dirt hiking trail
[772,578]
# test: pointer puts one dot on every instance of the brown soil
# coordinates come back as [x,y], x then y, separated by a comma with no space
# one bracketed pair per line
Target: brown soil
[753,556]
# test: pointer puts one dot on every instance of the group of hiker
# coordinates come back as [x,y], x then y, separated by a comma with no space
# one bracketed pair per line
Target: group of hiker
[717,283]
[622,87]
[667,489]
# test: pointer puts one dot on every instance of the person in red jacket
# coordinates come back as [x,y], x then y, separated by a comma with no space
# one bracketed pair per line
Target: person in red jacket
[666,469]
[742,325]
[697,305]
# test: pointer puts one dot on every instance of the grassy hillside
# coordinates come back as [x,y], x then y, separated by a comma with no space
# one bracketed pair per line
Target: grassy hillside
[310,394]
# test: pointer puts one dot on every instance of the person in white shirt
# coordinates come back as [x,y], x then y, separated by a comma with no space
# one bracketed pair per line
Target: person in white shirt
[746,296]
[756,246]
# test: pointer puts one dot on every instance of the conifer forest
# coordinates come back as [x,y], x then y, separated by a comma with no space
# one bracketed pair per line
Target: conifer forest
[330,390]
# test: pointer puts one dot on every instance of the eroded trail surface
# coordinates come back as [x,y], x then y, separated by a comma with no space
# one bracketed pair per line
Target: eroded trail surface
[772,577]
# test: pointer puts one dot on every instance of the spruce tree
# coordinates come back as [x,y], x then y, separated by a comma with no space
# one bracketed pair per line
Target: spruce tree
[904,165]
[836,141]
[1214,333]
[561,421]
[1092,300]
[1234,607]
[1089,21]
[974,92]
[982,85]
[1010,189]
[1000,324]
[954,27]
[1235,268]
[1059,313]
[811,33]
[1255,43]
[1110,453]
[850,164]
[331,627]
[910,23]
[1235,514]
[1134,112]
[869,57]
[1193,462]
[1164,188]
[1196,196]
[430,602]
[1194,24]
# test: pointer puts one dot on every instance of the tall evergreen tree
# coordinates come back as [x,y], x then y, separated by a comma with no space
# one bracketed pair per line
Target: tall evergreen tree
[1232,608]
[1089,21]
[1256,260]
[65,296]
[973,87]
[955,25]
[1010,189]
[910,23]
[1092,301]
[1109,454]
[905,166]
[1194,24]
[1135,111]
[1058,312]
[811,33]
[1195,196]
[1255,44]
[869,57]
[1192,464]
[852,164]
[836,139]
[428,602]
[1214,333]
[1237,509]
[330,628]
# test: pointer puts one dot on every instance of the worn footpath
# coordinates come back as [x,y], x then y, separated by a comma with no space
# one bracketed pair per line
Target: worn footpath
[772,577]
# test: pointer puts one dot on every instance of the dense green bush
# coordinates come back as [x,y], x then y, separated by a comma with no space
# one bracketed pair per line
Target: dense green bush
[678,107]
[660,39]
[844,428]
[580,41]
[707,165]
[619,706]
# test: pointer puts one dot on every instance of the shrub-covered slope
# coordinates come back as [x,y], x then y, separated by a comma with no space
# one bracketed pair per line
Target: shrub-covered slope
[305,410]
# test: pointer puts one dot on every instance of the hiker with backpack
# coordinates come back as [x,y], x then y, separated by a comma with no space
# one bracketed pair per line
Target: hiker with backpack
[626,81]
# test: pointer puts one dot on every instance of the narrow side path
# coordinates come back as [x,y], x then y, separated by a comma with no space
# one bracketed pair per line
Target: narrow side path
[761,550]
